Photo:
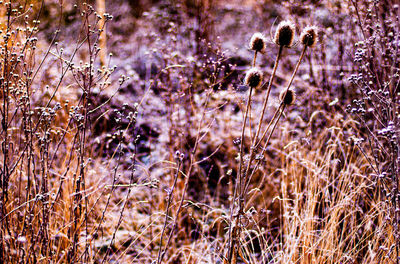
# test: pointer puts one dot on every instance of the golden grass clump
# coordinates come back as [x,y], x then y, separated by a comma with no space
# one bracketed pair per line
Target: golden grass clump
[284,35]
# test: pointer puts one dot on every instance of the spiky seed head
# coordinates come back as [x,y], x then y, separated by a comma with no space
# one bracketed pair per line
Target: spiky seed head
[284,34]
[258,42]
[309,36]
[288,97]
[253,78]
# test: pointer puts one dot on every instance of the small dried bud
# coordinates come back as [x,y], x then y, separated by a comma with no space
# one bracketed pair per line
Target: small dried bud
[284,34]
[288,97]
[258,42]
[309,36]
[253,78]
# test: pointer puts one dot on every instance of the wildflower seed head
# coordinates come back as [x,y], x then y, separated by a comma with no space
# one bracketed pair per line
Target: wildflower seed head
[289,98]
[253,78]
[309,36]
[258,42]
[284,34]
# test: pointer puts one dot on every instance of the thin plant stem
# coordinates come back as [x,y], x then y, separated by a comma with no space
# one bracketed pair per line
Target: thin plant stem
[303,52]
[238,183]
[170,195]
[242,135]
[265,145]
[254,59]
[289,84]
[268,92]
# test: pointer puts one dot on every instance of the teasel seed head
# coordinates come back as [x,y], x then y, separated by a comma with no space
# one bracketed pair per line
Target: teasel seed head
[254,78]
[258,42]
[284,34]
[309,36]
[289,98]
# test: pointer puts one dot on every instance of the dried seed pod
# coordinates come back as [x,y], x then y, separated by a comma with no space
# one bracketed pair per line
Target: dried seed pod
[284,34]
[258,42]
[288,97]
[309,36]
[253,78]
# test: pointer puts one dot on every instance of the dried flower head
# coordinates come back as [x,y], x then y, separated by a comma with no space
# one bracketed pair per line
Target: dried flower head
[253,78]
[288,97]
[309,36]
[258,42]
[284,34]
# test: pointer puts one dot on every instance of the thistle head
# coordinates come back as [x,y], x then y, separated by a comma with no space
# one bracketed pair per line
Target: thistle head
[253,78]
[284,34]
[288,97]
[309,36]
[258,42]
